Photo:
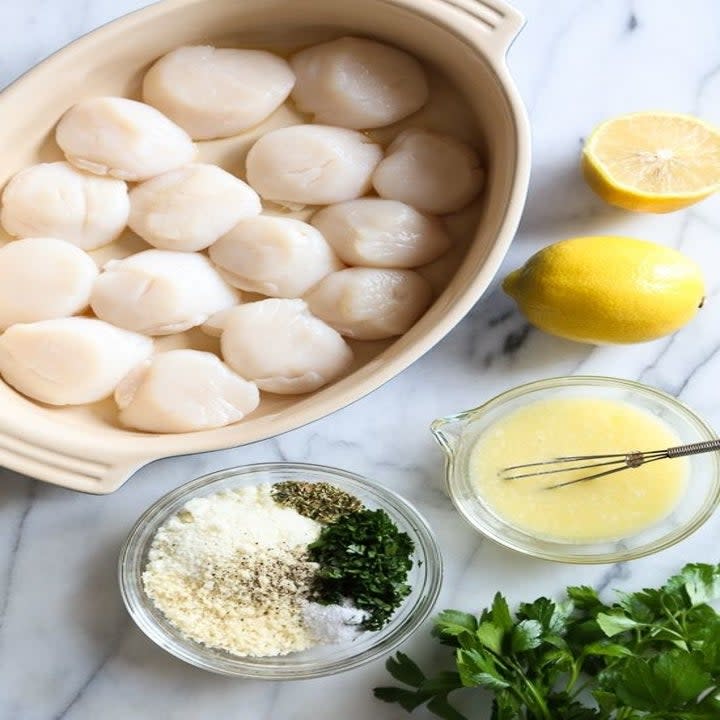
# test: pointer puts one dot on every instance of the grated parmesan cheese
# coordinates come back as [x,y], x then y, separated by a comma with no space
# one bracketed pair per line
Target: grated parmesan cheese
[230,571]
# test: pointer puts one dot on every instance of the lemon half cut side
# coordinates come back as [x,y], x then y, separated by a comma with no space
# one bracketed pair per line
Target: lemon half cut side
[653,161]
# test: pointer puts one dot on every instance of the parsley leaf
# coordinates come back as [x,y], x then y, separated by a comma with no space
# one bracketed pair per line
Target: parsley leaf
[653,654]
[454,622]
[402,668]
[552,616]
[708,644]
[490,636]
[701,583]
[526,636]
[584,598]
[433,691]
[406,699]
[500,613]
[666,682]
[615,623]
[608,650]
[442,708]
[479,668]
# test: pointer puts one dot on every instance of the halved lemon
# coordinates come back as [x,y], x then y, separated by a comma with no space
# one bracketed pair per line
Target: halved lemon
[653,161]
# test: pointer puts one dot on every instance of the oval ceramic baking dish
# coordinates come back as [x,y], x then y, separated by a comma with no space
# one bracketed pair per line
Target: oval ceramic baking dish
[82,447]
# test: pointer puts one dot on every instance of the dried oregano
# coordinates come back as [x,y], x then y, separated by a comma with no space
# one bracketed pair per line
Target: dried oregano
[317,500]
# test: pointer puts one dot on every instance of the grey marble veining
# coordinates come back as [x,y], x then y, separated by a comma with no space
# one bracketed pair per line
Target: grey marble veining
[67,648]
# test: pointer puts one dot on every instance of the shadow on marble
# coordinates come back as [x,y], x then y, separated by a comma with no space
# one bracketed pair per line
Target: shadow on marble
[497,337]
[8,474]
[14,486]
[560,200]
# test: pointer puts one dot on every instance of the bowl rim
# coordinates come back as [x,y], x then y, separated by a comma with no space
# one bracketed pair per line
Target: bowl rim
[666,541]
[139,538]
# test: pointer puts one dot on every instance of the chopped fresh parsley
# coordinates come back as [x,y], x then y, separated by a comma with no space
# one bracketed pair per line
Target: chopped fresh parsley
[651,655]
[363,556]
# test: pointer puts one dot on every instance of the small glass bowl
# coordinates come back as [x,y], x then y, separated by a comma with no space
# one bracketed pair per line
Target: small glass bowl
[425,577]
[457,435]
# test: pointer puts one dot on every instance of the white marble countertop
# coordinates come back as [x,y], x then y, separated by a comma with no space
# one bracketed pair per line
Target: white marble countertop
[67,647]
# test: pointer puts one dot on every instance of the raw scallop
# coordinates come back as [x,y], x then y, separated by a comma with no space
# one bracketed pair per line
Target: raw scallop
[369,303]
[214,325]
[381,233]
[312,164]
[56,200]
[282,347]
[160,292]
[184,391]
[275,256]
[432,172]
[123,138]
[217,92]
[358,83]
[43,278]
[69,361]
[191,207]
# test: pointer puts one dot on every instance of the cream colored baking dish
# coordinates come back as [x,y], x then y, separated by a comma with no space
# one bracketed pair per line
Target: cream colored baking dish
[83,448]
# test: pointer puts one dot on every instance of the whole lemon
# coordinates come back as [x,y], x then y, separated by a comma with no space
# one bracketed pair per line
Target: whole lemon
[607,289]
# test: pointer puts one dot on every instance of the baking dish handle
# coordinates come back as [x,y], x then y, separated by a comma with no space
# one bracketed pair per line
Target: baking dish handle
[499,21]
[70,469]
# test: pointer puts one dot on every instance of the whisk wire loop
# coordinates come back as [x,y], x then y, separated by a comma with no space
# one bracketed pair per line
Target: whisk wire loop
[616,462]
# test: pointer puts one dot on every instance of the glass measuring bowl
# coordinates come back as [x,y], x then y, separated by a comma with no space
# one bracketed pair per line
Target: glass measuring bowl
[457,434]
[425,577]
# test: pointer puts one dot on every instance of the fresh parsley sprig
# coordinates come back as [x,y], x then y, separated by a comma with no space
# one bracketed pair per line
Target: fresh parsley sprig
[651,655]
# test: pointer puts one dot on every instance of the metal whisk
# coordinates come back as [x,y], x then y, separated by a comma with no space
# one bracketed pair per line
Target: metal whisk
[616,462]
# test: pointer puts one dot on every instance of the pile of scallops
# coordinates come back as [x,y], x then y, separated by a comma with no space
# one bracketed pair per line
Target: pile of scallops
[281,294]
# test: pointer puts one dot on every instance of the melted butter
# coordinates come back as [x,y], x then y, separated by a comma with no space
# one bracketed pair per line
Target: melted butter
[608,508]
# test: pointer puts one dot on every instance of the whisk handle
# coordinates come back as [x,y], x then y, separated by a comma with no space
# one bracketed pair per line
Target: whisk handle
[694,448]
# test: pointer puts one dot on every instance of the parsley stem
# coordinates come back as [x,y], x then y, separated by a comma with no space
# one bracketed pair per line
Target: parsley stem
[580,688]
[533,699]
[541,708]
[673,619]
[574,674]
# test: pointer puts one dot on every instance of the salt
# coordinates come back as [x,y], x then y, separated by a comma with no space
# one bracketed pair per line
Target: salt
[333,624]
